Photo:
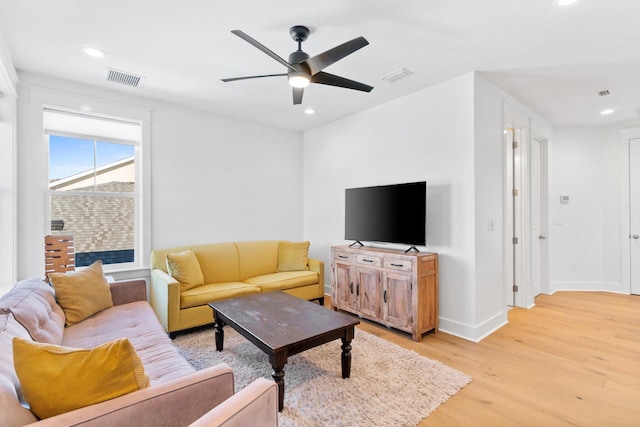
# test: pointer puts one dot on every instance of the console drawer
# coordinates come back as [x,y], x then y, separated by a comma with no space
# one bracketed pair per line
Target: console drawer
[369,260]
[344,257]
[397,264]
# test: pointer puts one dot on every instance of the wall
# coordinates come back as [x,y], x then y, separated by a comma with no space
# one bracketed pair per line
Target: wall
[8,137]
[213,179]
[428,136]
[586,234]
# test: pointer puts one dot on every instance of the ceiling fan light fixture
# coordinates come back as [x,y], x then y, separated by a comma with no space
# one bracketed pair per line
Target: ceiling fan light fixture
[298,79]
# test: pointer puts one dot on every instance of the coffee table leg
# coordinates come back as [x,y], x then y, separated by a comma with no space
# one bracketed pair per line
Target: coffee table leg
[278,377]
[346,353]
[219,333]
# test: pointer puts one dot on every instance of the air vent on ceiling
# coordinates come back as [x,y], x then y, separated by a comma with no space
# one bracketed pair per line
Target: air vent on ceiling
[397,75]
[124,78]
[604,92]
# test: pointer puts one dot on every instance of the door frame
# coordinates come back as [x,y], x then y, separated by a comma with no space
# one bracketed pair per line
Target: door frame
[625,231]
[528,129]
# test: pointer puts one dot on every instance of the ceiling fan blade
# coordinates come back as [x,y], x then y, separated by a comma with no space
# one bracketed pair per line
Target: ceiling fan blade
[233,79]
[297,95]
[262,47]
[324,59]
[333,80]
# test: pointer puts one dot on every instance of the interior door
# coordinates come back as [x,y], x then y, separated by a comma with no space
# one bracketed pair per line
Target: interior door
[634,213]
[536,223]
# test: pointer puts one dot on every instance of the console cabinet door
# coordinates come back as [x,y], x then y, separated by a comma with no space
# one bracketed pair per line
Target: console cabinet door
[344,287]
[369,292]
[398,300]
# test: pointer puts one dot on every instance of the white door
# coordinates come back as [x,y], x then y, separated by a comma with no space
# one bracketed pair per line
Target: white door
[634,213]
[536,223]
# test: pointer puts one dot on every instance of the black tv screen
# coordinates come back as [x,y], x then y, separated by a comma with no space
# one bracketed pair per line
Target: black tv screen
[389,213]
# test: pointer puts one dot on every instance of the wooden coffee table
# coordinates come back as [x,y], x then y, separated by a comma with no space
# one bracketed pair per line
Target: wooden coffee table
[282,325]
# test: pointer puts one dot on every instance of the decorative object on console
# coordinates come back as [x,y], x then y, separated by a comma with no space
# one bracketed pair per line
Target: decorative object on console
[303,69]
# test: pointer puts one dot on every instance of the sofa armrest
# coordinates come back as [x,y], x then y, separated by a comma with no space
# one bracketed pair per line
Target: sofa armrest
[318,266]
[174,403]
[126,291]
[256,404]
[165,299]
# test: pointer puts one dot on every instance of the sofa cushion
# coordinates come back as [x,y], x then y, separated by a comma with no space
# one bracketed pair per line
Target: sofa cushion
[257,258]
[284,280]
[32,303]
[82,293]
[219,262]
[185,268]
[137,322]
[293,256]
[214,292]
[58,379]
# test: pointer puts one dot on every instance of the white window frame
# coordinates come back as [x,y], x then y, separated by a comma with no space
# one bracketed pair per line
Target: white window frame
[142,195]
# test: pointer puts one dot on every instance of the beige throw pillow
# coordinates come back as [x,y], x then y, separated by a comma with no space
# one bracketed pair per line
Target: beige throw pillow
[185,268]
[293,256]
[82,293]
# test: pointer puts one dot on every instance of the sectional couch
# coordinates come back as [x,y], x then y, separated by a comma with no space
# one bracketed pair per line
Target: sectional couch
[230,270]
[177,395]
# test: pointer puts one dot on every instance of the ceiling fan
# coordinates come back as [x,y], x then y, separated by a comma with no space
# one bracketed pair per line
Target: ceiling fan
[303,69]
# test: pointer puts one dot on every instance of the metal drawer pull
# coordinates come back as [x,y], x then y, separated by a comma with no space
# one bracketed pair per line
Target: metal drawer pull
[343,256]
[367,260]
[385,296]
[397,265]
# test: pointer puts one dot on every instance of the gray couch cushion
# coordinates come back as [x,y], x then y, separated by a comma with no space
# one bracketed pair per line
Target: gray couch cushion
[33,304]
[137,322]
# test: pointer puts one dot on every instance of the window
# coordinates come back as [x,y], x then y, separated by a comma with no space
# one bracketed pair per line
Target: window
[94,191]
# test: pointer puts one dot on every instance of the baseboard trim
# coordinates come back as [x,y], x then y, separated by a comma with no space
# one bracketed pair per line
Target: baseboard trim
[617,288]
[474,333]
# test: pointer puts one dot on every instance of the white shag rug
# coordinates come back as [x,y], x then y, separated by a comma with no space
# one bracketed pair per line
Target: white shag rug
[389,385]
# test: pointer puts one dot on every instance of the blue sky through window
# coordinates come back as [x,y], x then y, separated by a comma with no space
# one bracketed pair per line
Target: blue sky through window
[70,156]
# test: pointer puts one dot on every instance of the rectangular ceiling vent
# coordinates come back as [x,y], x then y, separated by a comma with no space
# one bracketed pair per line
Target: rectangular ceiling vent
[397,75]
[124,78]
[604,93]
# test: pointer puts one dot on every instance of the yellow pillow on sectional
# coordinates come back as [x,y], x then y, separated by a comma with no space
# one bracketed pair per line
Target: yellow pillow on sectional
[293,256]
[185,268]
[56,379]
[82,293]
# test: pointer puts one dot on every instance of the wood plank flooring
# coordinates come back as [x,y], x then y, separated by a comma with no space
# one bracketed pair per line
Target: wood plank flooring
[572,360]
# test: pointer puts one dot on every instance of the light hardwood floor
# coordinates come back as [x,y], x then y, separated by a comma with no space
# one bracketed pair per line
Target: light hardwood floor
[572,360]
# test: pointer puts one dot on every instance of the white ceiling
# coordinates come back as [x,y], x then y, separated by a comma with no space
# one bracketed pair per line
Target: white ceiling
[552,59]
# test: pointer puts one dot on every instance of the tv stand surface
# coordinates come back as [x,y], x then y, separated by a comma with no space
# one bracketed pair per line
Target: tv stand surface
[397,289]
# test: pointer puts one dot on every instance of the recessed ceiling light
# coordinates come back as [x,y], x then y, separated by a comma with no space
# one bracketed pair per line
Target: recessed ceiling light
[309,111]
[92,51]
[607,111]
[566,2]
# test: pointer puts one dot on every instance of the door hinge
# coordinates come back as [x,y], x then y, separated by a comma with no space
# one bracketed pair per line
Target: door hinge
[514,144]
[515,288]
[515,240]
[515,192]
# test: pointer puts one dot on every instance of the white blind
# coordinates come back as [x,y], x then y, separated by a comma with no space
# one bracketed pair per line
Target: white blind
[85,126]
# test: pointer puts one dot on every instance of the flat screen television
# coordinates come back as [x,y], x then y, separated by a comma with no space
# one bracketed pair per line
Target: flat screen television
[387,213]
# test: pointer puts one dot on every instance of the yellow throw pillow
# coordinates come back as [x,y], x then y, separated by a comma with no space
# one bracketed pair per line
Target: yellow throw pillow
[185,268]
[56,379]
[293,256]
[82,293]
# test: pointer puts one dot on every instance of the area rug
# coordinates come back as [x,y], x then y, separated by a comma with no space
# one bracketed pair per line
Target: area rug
[389,385]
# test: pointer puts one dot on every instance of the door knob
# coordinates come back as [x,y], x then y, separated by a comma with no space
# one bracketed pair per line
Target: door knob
[636,236]
[541,237]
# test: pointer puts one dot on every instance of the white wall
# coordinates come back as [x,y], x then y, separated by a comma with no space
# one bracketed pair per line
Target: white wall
[8,137]
[585,234]
[428,136]
[213,179]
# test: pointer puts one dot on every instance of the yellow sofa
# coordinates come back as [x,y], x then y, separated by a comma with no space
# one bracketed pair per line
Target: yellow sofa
[229,270]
